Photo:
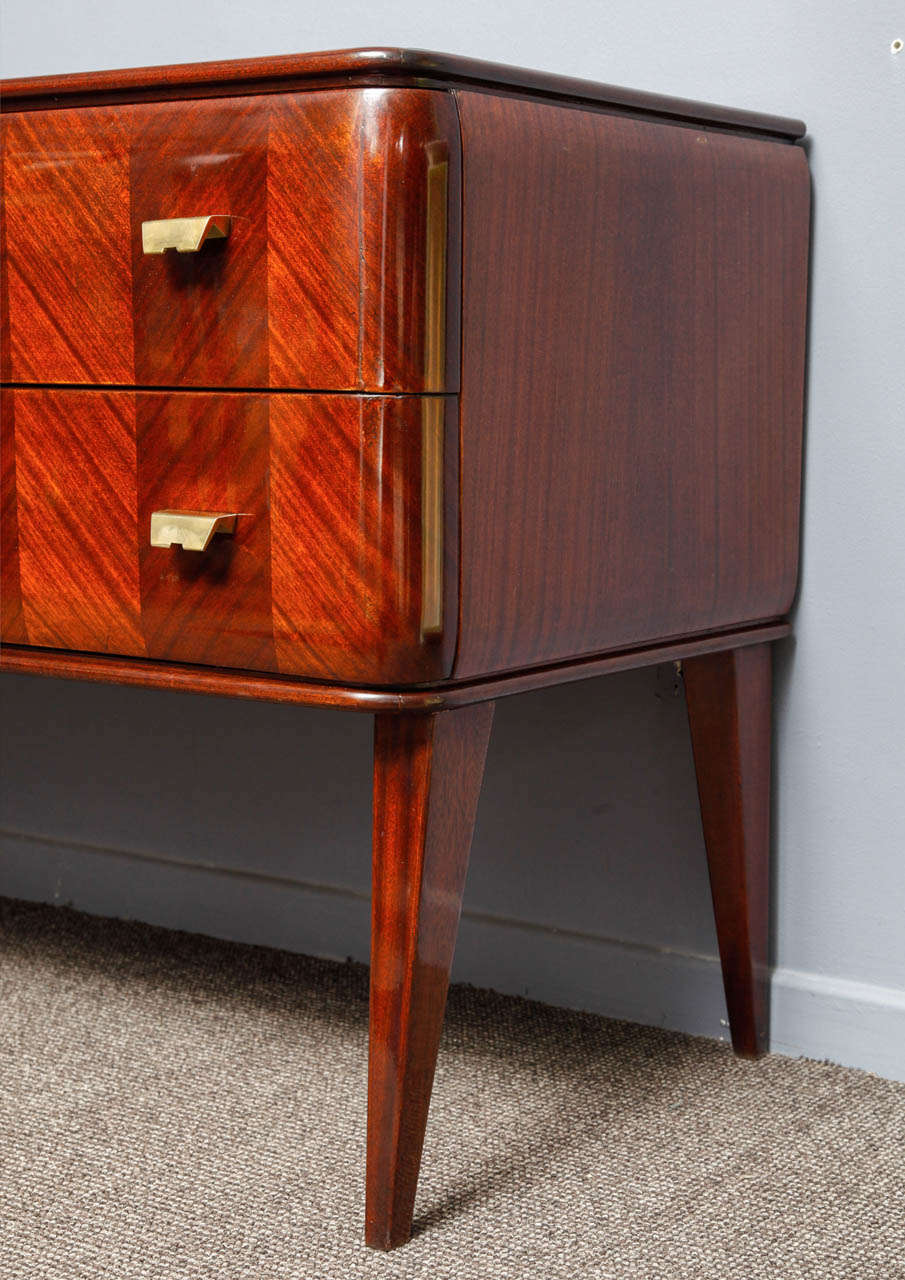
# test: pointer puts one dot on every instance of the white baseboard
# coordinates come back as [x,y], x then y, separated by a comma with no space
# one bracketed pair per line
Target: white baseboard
[812,1015]
[859,1024]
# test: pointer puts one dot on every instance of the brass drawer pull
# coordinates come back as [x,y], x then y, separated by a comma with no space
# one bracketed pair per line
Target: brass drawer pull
[185,235]
[191,530]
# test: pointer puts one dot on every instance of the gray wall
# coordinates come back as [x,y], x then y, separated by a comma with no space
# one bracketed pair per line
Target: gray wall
[588,884]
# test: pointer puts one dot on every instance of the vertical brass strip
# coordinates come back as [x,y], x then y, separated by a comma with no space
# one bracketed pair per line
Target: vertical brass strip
[432,414]
[433,409]
[435,269]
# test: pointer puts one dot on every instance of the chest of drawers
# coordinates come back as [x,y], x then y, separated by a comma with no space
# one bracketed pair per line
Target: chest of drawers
[399,382]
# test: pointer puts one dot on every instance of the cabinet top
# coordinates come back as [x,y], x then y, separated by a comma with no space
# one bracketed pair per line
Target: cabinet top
[369,67]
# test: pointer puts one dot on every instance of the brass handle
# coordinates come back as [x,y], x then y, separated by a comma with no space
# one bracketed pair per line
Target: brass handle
[191,530]
[185,235]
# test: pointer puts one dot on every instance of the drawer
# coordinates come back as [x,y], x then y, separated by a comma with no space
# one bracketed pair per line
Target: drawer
[342,564]
[343,231]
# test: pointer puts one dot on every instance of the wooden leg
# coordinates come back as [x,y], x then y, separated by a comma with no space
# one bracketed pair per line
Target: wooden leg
[729,710]
[427,778]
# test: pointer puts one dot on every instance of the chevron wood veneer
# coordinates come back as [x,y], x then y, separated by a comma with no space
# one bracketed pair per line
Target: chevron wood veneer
[77,501]
[312,141]
[68,247]
[323,576]
[200,319]
[347,527]
[12,620]
[321,285]
[501,375]
[203,452]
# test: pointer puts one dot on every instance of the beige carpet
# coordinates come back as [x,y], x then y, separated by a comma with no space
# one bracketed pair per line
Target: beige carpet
[178,1107]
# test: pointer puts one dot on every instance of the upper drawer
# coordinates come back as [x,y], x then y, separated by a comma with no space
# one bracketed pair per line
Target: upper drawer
[339,272]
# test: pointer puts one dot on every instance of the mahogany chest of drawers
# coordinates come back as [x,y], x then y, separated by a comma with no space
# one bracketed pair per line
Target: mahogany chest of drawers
[400,382]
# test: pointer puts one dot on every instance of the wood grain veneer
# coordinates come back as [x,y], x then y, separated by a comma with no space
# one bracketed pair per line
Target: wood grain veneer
[428,771]
[199,319]
[77,507]
[633,361]
[12,621]
[322,284]
[205,453]
[325,575]
[729,699]
[378,67]
[348,524]
[502,374]
[222,682]
[67,248]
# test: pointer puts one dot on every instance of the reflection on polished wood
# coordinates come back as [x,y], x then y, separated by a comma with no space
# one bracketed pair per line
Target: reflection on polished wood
[376,66]
[338,272]
[342,562]
[427,778]
[307,693]
[729,702]
[498,380]
[645,425]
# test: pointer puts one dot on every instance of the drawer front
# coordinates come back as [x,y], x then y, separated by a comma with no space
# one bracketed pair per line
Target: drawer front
[334,275]
[342,564]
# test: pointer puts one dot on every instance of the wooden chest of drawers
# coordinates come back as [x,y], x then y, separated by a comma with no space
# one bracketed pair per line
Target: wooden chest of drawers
[493,379]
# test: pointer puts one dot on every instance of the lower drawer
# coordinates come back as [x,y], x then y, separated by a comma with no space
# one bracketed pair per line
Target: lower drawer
[341,566]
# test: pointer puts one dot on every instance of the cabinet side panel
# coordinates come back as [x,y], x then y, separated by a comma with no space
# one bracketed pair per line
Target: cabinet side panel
[633,350]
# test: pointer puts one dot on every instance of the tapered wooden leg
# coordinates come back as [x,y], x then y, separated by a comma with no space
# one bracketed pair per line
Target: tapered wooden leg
[729,698]
[427,777]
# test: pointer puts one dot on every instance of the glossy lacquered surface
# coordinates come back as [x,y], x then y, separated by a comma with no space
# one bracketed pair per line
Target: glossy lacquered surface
[345,215]
[376,66]
[632,381]
[729,697]
[226,682]
[428,771]
[324,576]
[501,376]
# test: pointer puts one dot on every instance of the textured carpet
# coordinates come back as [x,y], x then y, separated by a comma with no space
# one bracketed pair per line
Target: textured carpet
[173,1106]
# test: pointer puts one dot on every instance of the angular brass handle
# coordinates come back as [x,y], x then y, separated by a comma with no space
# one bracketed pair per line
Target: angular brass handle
[185,235]
[191,530]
